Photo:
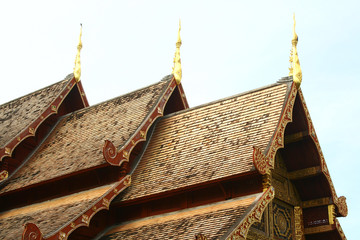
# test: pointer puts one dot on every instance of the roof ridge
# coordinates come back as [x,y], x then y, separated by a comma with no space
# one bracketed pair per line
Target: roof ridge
[226,98]
[164,79]
[67,78]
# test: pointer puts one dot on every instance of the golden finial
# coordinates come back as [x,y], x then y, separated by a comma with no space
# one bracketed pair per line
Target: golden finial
[295,69]
[77,68]
[177,72]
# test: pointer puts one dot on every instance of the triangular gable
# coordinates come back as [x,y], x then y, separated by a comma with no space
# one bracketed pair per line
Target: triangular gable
[301,169]
[23,117]
[125,119]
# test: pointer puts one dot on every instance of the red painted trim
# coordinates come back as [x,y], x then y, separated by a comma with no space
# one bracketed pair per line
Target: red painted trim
[183,96]
[116,158]
[254,215]
[82,94]
[82,219]
[32,128]
[265,162]
[340,202]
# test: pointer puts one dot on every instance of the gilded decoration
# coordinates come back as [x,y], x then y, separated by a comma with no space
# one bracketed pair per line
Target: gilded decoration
[331,212]
[299,225]
[177,71]
[295,69]
[264,163]
[82,219]
[340,202]
[3,175]
[77,68]
[282,221]
[117,157]
[200,236]
[254,215]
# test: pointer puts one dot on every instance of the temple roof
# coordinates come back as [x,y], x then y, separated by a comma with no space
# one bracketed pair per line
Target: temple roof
[18,114]
[48,215]
[213,221]
[76,142]
[208,142]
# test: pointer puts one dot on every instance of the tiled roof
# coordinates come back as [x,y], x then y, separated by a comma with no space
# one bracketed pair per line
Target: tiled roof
[77,140]
[212,220]
[49,215]
[19,113]
[208,142]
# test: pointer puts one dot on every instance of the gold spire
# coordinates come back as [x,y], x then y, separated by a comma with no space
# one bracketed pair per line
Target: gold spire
[295,69]
[77,68]
[177,72]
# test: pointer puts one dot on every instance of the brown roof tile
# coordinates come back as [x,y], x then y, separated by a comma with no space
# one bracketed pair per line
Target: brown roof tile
[76,142]
[212,220]
[17,114]
[49,215]
[208,142]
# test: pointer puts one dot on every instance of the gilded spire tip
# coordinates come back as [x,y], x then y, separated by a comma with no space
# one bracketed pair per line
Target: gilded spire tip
[177,71]
[77,68]
[295,69]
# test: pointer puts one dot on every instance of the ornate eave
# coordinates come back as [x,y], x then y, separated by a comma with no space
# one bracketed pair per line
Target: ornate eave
[265,162]
[31,129]
[253,215]
[32,232]
[340,202]
[117,157]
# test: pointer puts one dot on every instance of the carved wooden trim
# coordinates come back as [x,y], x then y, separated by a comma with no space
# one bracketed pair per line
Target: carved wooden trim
[299,225]
[116,158]
[31,129]
[254,215]
[3,175]
[264,163]
[200,236]
[339,230]
[82,219]
[82,94]
[339,202]
[183,97]
[31,232]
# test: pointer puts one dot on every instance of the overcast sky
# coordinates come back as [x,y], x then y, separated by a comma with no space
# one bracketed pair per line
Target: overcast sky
[228,47]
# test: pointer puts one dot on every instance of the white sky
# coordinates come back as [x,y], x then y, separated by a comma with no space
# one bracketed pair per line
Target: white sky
[228,47]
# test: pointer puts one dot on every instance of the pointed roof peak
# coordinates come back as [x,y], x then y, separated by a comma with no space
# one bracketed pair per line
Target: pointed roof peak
[77,67]
[177,71]
[295,69]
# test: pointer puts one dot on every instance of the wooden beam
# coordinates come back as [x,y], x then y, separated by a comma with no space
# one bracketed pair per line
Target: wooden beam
[319,229]
[296,137]
[317,202]
[304,173]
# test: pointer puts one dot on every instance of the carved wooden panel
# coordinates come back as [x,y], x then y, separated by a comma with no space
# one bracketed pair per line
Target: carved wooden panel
[283,221]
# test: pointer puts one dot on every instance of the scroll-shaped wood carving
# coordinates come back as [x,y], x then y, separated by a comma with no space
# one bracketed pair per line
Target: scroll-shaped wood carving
[264,163]
[117,157]
[32,232]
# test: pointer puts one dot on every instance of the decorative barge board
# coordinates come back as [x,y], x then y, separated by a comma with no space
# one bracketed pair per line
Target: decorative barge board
[210,221]
[304,172]
[32,232]
[37,112]
[76,141]
[117,155]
